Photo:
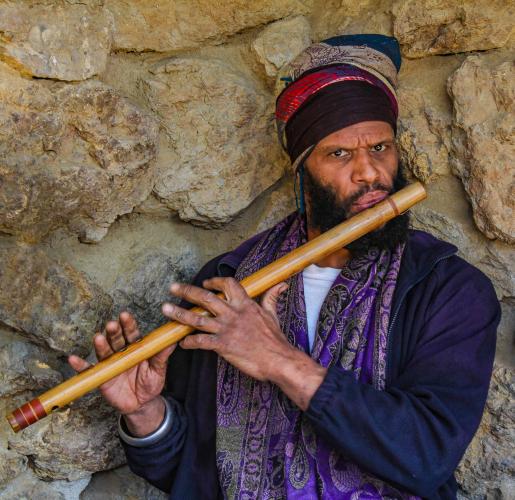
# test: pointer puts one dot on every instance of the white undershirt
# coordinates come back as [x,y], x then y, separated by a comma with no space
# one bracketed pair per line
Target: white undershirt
[317,282]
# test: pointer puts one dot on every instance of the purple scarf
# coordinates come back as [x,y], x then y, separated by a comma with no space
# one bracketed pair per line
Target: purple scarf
[266,449]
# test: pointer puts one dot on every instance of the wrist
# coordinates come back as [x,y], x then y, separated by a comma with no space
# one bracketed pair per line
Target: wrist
[146,419]
[299,377]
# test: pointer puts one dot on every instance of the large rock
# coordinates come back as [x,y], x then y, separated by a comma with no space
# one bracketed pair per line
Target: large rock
[423,136]
[27,486]
[220,125]
[336,17]
[483,94]
[432,27]
[181,24]
[71,155]
[493,258]
[73,443]
[11,465]
[488,468]
[120,484]
[48,302]
[280,42]
[143,289]
[38,40]
[24,367]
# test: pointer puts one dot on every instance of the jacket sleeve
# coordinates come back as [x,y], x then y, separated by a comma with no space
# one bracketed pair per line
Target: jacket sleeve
[414,433]
[158,463]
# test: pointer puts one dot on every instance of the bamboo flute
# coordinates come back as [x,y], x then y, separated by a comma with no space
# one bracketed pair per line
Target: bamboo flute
[255,284]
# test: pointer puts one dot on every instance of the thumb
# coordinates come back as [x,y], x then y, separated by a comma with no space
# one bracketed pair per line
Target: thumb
[270,297]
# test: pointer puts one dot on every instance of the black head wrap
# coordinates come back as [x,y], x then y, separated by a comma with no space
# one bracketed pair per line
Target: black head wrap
[335,107]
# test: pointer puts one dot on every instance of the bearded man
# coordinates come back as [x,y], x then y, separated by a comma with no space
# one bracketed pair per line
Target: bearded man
[364,376]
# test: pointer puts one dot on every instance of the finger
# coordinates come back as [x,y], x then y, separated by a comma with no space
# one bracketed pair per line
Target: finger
[114,335]
[196,295]
[102,347]
[186,317]
[78,364]
[270,297]
[159,362]
[200,341]
[230,287]
[130,328]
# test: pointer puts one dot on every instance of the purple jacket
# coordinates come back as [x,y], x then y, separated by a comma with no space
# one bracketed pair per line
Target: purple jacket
[413,435]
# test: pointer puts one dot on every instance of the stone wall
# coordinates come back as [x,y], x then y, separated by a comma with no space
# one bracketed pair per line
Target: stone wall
[137,141]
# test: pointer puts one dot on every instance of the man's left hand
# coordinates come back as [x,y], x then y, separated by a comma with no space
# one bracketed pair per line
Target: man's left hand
[247,335]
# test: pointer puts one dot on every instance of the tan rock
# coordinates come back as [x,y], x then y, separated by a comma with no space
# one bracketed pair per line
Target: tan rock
[431,27]
[493,258]
[73,443]
[488,465]
[144,287]
[220,125]
[24,367]
[75,155]
[27,486]
[181,24]
[337,17]
[280,42]
[121,484]
[483,145]
[279,204]
[36,39]
[50,303]
[11,464]
[423,136]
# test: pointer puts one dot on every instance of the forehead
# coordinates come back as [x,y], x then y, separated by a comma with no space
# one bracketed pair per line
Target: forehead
[363,133]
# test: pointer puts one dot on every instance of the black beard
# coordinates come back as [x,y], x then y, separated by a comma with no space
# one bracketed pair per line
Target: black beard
[327,211]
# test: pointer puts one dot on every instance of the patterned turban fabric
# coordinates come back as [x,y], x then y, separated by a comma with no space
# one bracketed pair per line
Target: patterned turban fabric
[336,83]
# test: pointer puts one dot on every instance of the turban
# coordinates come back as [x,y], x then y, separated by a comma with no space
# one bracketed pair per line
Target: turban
[336,83]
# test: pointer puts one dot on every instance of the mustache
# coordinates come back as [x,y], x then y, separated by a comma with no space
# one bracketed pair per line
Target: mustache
[376,186]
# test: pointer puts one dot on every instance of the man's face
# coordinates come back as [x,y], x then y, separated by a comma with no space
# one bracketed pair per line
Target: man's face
[349,171]
[358,162]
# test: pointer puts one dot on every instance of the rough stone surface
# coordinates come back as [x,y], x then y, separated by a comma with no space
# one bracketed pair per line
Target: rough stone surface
[183,24]
[120,484]
[336,17]
[221,127]
[27,486]
[488,468]
[423,136]
[483,145]
[24,367]
[75,156]
[11,464]
[48,302]
[431,27]
[73,443]
[143,290]
[280,42]
[35,39]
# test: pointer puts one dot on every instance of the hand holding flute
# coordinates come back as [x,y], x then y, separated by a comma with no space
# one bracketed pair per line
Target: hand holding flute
[135,392]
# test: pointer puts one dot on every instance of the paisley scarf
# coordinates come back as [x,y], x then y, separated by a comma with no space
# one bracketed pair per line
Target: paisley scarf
[266,448]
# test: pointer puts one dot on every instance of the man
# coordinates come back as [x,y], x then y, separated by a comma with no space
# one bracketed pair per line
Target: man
[365,376]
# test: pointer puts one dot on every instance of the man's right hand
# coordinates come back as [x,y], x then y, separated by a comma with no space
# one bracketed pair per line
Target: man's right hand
[135,393]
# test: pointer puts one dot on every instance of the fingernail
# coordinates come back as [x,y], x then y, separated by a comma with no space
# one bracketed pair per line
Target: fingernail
[174,287]
[167,308]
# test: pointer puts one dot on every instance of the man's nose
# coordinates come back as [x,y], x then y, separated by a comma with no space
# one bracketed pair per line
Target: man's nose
[364,169]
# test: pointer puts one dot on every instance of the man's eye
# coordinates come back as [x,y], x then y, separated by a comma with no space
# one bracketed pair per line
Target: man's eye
[379,147]
[340,153]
